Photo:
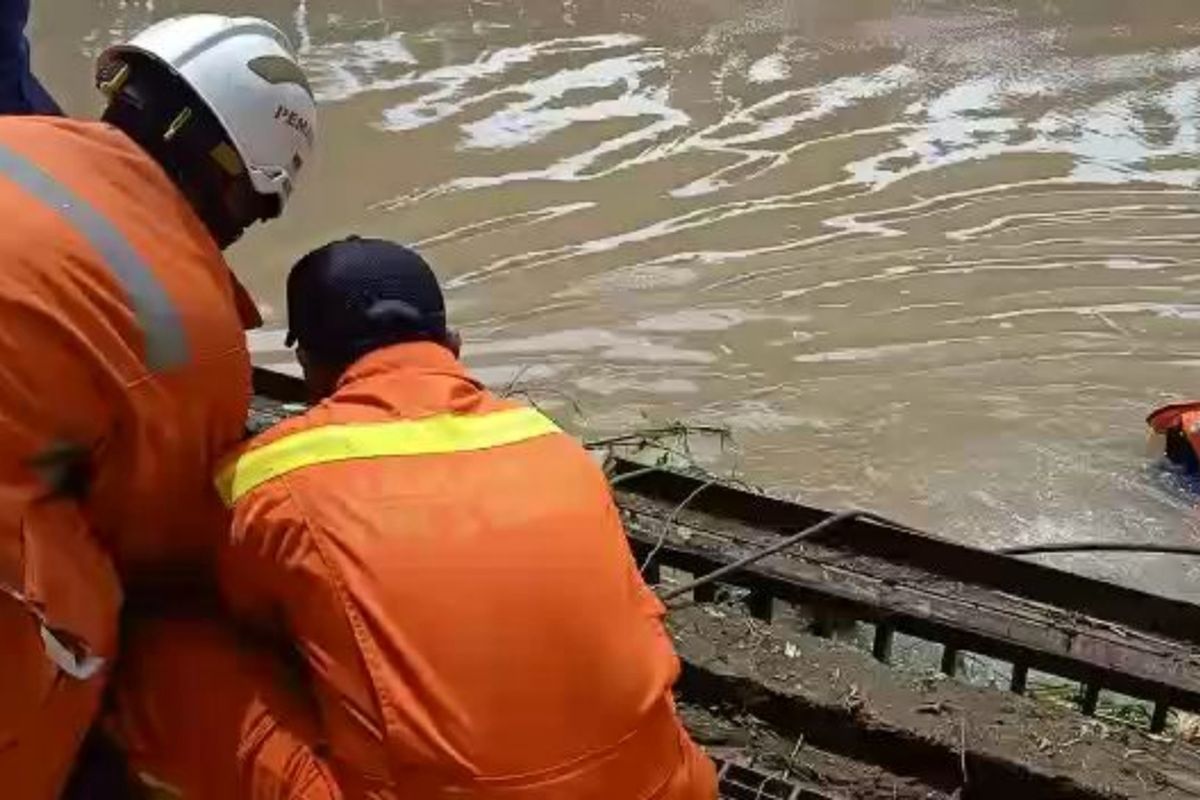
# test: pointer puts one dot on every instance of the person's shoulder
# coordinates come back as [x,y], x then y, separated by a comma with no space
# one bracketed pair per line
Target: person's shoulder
[62,146]
[49,126]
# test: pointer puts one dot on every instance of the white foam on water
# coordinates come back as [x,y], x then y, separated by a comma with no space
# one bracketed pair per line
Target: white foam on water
[608,344]
[538,115]
[340,71]
[455,87]
[770,69]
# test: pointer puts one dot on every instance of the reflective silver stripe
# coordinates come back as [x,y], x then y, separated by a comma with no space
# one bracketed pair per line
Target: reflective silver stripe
[81,668]
[165,338]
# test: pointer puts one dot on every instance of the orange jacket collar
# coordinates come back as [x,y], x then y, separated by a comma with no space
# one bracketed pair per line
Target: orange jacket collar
[414,356]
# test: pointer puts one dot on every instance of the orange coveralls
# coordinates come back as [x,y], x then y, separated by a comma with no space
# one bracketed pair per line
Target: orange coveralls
[456,579]
[123,376]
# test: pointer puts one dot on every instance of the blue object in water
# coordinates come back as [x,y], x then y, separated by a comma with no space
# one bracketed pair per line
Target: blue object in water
[20,91]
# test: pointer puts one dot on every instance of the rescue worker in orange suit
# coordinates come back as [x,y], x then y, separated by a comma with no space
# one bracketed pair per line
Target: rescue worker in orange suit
[123,366]
[1175,436]
[450,570]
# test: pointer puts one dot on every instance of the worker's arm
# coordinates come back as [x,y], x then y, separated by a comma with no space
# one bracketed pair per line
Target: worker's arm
[253,564]
[50,557]
[20,91]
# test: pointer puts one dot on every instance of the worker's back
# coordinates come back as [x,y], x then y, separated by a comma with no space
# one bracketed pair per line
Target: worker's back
[121,340]
[465,600]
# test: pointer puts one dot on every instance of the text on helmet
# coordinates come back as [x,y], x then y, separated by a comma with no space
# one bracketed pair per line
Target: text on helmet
[295,121]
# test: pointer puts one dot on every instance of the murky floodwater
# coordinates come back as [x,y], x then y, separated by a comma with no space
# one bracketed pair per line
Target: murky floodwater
[937,258]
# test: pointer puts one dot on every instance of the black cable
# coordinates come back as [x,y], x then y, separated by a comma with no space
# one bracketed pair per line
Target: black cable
[670,523]
[845,516]
[1101,547]
[776,547]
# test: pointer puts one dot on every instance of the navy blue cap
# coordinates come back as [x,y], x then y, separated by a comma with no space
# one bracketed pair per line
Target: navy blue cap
[353,296]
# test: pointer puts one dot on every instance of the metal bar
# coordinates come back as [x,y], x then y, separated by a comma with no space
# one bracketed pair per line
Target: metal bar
[949,661]
[1020,679]
[778,545]
[1158,721]
[740,782]
[1089,699]
[882,646]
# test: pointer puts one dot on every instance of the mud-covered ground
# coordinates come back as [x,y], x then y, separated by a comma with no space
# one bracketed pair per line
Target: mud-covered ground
[746,739]
[828,714]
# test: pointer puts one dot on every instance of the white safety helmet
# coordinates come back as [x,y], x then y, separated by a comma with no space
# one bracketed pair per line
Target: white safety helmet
[246,72]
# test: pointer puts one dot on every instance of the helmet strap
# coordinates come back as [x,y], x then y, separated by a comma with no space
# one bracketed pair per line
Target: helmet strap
[156,109]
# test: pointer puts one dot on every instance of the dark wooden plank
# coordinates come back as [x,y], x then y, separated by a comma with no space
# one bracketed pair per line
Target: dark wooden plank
[964,619]
[729,505]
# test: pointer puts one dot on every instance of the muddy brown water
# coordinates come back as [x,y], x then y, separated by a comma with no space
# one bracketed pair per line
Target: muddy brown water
[935,258]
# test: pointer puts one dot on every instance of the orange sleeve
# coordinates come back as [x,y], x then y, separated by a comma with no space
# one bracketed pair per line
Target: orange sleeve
[260,566]
[252,564]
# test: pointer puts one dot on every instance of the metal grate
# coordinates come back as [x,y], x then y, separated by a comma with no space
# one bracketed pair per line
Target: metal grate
[1101,635]
[739,782]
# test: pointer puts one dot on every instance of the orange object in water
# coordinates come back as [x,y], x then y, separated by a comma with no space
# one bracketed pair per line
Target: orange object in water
[1168,417]
[1176,428]
[123,374]
[455,576]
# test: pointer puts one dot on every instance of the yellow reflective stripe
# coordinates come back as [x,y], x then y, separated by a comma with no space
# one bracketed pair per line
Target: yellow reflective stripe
[447,433]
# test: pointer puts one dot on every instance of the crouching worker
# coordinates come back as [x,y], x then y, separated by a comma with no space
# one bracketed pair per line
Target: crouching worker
[449,568]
